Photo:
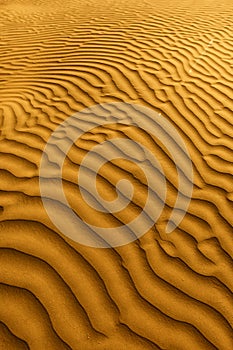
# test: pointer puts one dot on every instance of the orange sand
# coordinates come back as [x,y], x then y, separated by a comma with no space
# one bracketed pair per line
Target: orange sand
[161,291]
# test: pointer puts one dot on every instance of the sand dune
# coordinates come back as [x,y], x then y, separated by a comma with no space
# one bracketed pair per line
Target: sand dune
[161,291]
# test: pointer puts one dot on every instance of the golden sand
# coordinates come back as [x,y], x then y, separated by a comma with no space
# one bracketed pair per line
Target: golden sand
[161,291]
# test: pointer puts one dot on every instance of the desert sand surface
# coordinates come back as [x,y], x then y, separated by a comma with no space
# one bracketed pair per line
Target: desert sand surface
[161,291]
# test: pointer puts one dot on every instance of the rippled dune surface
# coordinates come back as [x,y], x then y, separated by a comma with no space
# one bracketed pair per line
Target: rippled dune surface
[162,291]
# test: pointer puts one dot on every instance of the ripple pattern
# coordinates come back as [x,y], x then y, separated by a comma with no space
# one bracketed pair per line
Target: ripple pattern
[162,291]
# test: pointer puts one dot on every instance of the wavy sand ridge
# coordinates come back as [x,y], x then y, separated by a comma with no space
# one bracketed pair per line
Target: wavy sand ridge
[162,291]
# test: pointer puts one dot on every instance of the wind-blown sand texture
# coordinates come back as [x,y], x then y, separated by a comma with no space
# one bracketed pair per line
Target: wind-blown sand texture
[162,291]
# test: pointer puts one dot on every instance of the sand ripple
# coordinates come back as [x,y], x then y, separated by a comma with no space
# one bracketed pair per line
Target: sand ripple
[162,291]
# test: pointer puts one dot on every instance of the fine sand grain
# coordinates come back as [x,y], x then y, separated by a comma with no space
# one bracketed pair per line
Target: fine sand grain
[162,291]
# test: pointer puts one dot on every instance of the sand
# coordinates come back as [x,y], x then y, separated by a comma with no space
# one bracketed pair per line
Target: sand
[160,291]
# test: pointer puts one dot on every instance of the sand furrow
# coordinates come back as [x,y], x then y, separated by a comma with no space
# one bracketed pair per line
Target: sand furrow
[9,340]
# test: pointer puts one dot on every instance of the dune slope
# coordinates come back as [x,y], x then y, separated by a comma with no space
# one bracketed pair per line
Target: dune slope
[161,291]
